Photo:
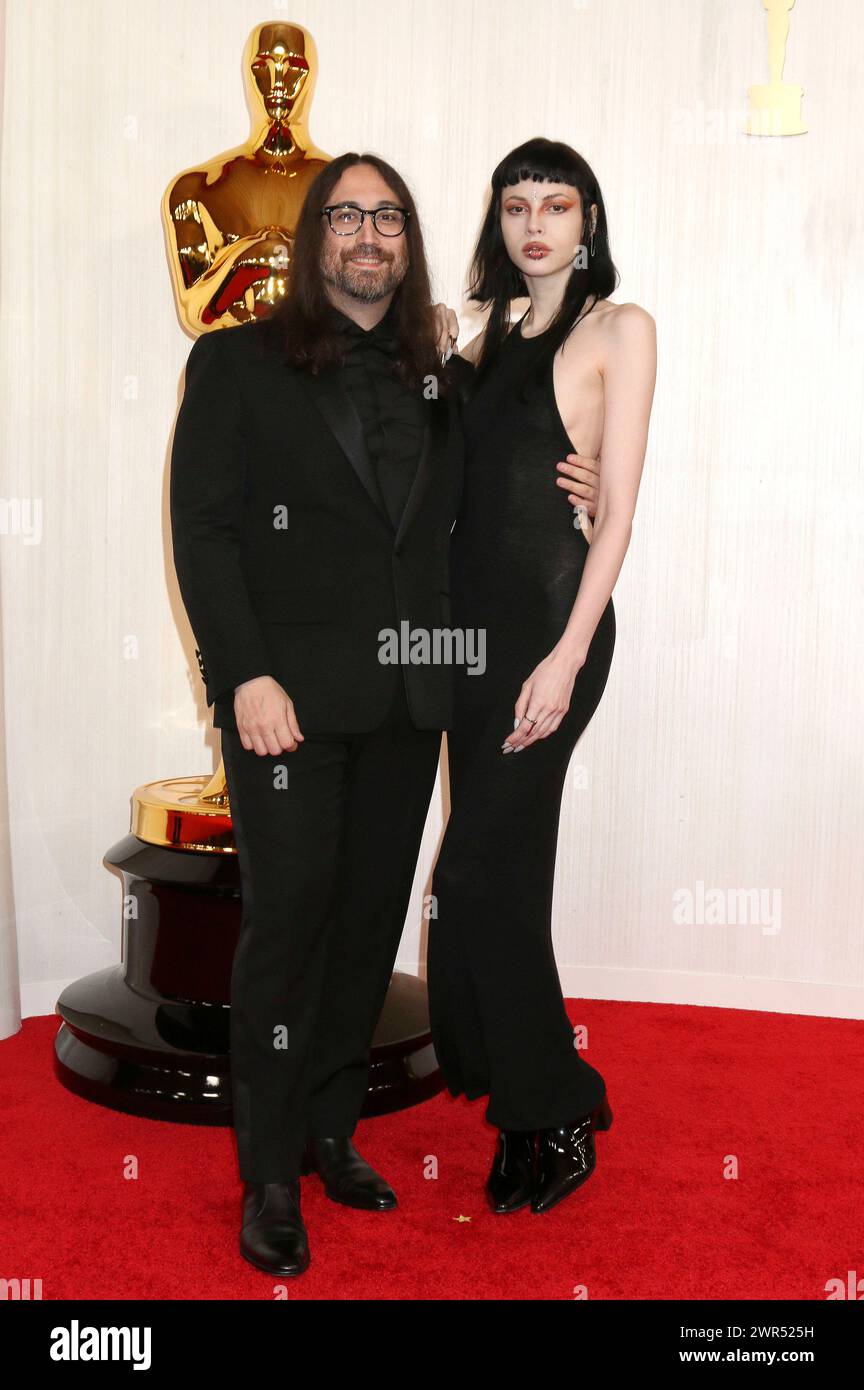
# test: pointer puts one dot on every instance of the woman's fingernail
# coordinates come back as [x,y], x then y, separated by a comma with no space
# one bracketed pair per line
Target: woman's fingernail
[516,723]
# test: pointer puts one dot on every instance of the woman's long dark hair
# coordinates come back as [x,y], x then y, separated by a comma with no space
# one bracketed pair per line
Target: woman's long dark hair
[302,324]
[494,279]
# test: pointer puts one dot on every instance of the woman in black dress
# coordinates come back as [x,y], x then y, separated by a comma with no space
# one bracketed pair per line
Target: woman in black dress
[521,572]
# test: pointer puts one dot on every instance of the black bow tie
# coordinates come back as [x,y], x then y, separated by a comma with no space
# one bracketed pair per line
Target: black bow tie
[381,337]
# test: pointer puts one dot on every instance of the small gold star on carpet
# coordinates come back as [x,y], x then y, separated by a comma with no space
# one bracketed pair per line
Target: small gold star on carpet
[461,1218]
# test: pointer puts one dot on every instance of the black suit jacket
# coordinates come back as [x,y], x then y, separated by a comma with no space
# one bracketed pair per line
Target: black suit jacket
[287,561]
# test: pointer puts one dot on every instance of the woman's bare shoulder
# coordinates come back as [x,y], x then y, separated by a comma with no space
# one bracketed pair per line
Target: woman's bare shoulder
[624,318]
[626,332]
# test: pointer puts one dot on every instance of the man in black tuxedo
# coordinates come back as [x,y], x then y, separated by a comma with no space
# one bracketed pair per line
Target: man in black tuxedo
[291,564]
[315,478]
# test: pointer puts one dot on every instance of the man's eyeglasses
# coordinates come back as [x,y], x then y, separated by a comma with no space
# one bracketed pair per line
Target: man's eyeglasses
[345,219]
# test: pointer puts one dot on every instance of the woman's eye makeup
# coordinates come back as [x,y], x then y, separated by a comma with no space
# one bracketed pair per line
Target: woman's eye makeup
[552,207]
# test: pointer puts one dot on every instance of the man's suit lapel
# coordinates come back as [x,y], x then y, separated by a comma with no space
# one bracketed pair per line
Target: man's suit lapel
[339,412]
[431,451]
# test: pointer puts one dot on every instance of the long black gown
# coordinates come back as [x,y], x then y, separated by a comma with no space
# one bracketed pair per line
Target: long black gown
[497,1012]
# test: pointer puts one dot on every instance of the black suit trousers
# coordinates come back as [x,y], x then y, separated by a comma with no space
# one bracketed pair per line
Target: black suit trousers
[327,840]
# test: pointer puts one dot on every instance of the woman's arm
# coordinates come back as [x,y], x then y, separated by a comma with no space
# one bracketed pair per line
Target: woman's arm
[629,371]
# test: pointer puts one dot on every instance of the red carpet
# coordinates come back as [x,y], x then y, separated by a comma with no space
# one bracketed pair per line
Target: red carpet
[689,1087]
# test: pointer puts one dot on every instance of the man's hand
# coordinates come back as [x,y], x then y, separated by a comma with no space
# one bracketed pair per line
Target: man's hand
[447,326]
[265,717]
[579,477]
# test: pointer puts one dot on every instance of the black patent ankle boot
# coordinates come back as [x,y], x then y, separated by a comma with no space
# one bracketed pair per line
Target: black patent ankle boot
[566,1157]
[510,1184]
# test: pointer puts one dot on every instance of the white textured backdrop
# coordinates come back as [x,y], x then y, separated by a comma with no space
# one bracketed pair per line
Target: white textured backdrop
[727,750]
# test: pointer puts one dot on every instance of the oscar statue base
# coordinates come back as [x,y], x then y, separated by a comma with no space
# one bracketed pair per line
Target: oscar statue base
[775,109]
[151,1036]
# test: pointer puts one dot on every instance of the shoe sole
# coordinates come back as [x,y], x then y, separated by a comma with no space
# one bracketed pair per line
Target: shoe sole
[358,1206]
[268,1269]
[505,1211]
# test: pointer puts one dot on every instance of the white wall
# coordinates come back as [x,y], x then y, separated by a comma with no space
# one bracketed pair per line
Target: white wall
[727,749]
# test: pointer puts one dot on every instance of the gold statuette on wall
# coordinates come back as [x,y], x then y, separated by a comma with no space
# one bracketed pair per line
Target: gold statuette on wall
[774,108]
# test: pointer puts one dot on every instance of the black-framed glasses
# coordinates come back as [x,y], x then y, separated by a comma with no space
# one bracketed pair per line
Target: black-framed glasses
[347,218]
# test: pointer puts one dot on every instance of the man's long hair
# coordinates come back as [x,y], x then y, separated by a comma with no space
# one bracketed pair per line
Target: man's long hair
[303,325]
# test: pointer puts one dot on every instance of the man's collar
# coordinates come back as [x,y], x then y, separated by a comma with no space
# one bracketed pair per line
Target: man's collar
[383,329]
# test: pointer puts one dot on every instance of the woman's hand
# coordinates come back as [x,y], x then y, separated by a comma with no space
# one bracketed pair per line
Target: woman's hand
[447,326]
[545,696]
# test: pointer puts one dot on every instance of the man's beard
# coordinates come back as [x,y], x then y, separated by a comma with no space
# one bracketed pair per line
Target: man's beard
[357,283]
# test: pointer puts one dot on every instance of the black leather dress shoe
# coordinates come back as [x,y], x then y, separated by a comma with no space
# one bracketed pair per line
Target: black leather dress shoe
[566,1158]
[273,1237]
[347,1177]
[510,1184]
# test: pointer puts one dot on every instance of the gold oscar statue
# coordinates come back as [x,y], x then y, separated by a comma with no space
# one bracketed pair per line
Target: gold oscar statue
[774,108]
[229,224]
[229,227]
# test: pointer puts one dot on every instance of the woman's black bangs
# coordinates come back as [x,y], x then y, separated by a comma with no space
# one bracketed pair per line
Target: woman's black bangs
[509,174]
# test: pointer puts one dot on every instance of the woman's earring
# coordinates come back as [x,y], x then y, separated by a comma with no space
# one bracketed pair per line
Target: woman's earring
[591,242]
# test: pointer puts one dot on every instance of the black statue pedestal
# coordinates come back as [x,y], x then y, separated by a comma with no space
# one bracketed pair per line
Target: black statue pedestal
[151,1036]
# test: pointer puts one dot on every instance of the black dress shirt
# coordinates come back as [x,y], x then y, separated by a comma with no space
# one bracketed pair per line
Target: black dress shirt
[391,414]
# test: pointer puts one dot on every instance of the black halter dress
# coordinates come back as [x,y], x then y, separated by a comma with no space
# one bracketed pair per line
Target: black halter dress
[497,1011]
